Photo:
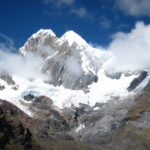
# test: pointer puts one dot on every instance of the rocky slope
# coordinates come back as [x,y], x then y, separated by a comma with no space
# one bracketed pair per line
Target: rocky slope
[21,132]
[13,133]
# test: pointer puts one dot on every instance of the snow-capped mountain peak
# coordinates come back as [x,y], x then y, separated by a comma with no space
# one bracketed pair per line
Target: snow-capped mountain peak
[69,60]
[72,37]
[46,37]
[44,32]
[42,37]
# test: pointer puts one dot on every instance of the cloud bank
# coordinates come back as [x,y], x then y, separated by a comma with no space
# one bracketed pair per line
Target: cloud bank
[28,66]
[131,51]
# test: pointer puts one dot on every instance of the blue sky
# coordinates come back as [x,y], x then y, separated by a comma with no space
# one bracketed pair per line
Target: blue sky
[95,20]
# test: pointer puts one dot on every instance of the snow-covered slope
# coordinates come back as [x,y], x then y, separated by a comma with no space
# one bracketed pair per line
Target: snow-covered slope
[104,90]
[76,74]
[71,37]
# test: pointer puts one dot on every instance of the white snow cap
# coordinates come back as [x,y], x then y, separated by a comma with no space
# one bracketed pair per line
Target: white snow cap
[44,32]
[71,37]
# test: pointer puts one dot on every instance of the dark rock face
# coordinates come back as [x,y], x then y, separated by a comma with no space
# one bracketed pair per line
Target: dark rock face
[29,97]
[116,75]
[38,104]
[2,87]
[7,78]
[137,80]
[43,103]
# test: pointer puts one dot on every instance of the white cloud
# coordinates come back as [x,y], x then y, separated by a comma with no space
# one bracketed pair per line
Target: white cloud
[27,66]
[131,50]
[81,12]
[70,8]
[105,23]
[59,3]
[135,8]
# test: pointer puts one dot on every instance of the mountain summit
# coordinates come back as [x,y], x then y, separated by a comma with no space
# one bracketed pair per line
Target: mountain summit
[68,60]
[72,37]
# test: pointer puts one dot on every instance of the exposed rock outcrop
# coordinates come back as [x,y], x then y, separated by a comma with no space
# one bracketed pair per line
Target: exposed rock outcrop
[137,80]
[7,78]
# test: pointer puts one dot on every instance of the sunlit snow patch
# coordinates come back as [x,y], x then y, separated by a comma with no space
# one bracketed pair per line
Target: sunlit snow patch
[101,92]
